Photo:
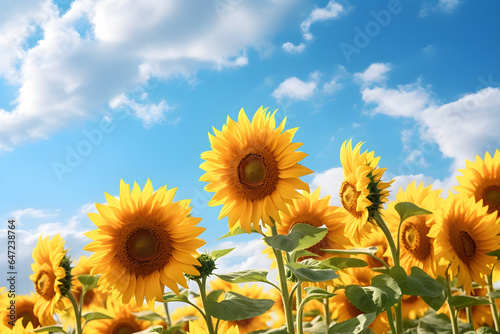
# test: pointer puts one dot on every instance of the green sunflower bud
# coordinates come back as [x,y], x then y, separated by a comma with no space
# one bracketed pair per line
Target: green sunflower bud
[65,285]
[206,268]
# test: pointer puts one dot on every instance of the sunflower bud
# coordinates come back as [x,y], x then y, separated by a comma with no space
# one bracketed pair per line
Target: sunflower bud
[206,268]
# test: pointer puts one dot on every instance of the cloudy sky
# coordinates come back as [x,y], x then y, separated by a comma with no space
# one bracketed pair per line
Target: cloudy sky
[94,91]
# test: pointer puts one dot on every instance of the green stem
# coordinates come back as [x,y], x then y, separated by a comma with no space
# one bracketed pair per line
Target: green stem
[391,320]
[395,257]
[203,295]
[453,312]
[165,306]
[300,312]
[284,287]
[78,314]
[468,311]
[493,304]
[326,304]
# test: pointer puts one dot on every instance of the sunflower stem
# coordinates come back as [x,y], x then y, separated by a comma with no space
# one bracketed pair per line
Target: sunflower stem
[283,284]
[453,312]
[391,320]
[167,312]
[203,295]
[468,312]
[78,314]
[300,312]
[326,304]
[395,257]
[493,304]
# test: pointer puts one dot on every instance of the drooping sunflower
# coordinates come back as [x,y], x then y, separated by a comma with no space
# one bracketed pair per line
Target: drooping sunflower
[51,276]
[481,179]
[124,321]
[143,242]
[25,311]
[19,328]
[224,329]
[253,170]
[417,248]
[464,232]
[362,192]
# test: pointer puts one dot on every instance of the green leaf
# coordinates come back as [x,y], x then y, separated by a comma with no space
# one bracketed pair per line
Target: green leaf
[88,282]
[301,236]
[438,323]
[486,330]
[495,253]
[399,274]
[318,293]
[216,254]
[314,328]
[54,328]
[245,276]
[172,297]
[281,330]
[153,329]
[237,231]
[148,316]
[95,316]
[494,294]
[305,274]
[421,284]
[466,301]
[214,295]
[408,209]
[354,325]
[353,251]
[380,296]
[339,263]
[300,253]
[237,307]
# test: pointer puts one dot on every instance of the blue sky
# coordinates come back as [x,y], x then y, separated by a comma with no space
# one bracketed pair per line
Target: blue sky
[94,91]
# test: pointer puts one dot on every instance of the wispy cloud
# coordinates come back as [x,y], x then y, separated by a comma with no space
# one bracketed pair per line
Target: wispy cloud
[295,89]
[375,73]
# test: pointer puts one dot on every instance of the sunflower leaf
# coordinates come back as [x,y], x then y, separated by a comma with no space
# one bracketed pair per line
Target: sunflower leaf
[419,283]
[88,282]
[486,330]
[408,209]
[54,328]
[353,251]
[148,316]
[217,254]
[495,253]
[245,276]
[214,295]
[354,325]
[317,293]
[153,329]
[466,301]
[172,297]
[439,323]
[305,274]
[494,294]
[95,316]
[301,236]
[237,231]
[237,307]
[380,296]
[338,263]
[300,253]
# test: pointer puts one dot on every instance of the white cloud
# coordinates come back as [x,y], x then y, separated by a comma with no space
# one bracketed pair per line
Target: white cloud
[446,6]
[375,73]
[71,76]
[330,182]
[292,48]
[247,255]
[332,86]
[295,89]
[30,212]
[430,49]
[150,113]
[331,11]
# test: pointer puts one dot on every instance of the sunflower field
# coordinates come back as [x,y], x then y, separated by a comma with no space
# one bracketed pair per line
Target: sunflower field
[424,263]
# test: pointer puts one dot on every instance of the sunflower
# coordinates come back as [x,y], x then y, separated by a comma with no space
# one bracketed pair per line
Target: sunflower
[123,322]
[181,314]
[376,238]
[24,311]
[253,170]
[144,241]
[312,210]
[224,329]
[93,298]
[362,193]
[481,179]
[50,276]
[414,307]
[19,328]
[464,232]
[279,317]
[417,248]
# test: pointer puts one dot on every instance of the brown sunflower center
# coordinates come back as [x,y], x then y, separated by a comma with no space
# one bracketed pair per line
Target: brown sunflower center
[414,237]
[469,246]
[142,245]
[252,171]
[28,316]
[44,284]
[257,174]
[491,197]
[349,196]
[124,326]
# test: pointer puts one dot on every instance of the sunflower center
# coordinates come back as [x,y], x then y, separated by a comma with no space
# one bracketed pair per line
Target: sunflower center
[349,196]
[252,171]
[142,245]
[414,237]
[491,196]
[44,284]
[124,328]
[469,246]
